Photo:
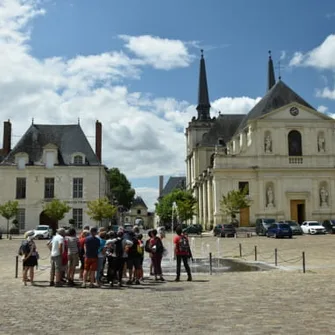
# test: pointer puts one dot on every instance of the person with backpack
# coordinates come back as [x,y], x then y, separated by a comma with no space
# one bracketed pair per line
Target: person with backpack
[134,260]
[157,249]
[29,257]
[182,252]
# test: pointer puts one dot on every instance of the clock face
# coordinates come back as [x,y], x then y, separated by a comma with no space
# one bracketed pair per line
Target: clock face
[294,111]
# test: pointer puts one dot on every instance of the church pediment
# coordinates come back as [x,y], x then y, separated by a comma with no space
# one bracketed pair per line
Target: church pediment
[296,112]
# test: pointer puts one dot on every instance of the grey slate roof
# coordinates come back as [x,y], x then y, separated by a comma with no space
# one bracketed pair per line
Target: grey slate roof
[172,184]
[68,138]
[224,127]
[138,201]
[278,96]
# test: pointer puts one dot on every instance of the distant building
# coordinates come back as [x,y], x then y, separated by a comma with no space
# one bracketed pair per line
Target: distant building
[172,184]
[51,161]
[139,214]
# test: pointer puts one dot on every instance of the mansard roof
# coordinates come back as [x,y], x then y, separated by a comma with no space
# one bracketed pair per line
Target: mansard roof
[138,201]
[278,96]
[172,184]
[69,139]
[223,128]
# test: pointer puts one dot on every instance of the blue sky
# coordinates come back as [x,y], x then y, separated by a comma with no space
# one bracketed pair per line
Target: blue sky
[134,65]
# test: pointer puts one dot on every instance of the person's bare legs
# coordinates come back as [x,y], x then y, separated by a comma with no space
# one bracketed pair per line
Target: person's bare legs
[31,274]
[25,275]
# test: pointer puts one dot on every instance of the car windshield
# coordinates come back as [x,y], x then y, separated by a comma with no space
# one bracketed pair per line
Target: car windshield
[292,223]
[332,221]
[314,224]
[228,225]
[284,226]
[42,228]
[269,221]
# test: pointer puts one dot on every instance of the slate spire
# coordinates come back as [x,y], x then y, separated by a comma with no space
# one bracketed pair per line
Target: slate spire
[271,73]
[203,99]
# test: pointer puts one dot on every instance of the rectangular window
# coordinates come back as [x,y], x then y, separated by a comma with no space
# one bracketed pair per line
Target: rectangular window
[77,187]
[49,188]
[21,218]
[50,159]
[242,185]
[77,214]
[20,188]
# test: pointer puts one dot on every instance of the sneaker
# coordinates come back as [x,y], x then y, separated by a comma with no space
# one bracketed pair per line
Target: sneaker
[137,282]
[129,282]
[161,279]
[91,286]
[189,278]
[52,283]
[177,279]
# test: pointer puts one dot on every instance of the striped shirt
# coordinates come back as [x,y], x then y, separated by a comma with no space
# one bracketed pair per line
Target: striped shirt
[72,242]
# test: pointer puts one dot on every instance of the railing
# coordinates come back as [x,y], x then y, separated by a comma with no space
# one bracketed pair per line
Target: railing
[295,160]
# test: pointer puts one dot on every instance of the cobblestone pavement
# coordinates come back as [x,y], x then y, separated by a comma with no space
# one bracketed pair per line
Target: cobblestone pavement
[280,301]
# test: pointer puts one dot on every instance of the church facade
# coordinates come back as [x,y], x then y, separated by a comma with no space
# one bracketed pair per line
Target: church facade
[283,151]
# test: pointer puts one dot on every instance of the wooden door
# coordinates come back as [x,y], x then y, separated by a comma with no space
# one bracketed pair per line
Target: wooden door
[294,209]
[244,217]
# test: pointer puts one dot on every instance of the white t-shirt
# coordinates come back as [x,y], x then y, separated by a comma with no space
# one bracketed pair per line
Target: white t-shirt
[56,241]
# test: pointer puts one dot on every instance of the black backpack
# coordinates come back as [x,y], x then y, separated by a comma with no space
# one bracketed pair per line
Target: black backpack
[159,246]
[147,247]
[118,248]
[24,248]
[183,244]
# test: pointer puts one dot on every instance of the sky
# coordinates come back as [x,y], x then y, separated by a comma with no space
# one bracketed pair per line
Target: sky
[133,65]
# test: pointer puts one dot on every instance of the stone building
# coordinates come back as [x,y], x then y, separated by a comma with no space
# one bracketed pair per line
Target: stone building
[51,161]
[139,214]
[283,150]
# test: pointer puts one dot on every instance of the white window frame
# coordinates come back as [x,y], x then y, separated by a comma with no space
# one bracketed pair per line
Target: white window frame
[21,218]
[77,215]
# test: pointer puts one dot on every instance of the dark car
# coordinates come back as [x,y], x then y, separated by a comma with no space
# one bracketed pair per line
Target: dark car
[329,225]
[193,229]
[262,226]
[224,230]
[295,227]
[279,230]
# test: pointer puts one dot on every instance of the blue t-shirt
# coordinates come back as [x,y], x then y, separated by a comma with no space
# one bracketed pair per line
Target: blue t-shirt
[92,247]
[102,245]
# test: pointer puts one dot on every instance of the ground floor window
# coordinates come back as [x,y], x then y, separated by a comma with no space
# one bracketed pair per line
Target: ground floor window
[21,218]
[77,214]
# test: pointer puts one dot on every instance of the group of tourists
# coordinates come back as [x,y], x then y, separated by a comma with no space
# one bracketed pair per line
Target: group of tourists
[104,257]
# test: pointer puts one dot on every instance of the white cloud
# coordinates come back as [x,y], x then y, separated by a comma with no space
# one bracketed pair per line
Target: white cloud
[321,57]
[322,109]
[160,53]
[142,135]
[282,55]
[326,92]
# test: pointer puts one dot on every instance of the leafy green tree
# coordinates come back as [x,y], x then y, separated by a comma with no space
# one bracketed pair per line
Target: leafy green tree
[100,209]
[121,188]
[234,201]
[56,209]
[186,206]
[9,210]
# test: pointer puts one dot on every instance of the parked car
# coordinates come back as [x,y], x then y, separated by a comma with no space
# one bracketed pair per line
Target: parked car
[329,225]
[295,227]
[193,229]
[313,227]
[262,225]
[224,230]
[279,230]
[42,232]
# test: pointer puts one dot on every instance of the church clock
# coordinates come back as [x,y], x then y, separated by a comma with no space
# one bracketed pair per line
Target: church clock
[294,111]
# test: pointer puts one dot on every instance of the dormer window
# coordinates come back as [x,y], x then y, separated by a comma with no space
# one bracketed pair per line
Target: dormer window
[78,160]
[21,159]
[49,159]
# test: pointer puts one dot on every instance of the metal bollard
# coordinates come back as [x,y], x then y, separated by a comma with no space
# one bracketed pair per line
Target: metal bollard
[210,264]
[255,252]
[16,266]
[240,246]
[303,262]
[276,257]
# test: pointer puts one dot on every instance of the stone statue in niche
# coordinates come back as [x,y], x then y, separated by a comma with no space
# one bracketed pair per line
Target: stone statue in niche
[269,197]
[323,197]
[268,144]
[321,144]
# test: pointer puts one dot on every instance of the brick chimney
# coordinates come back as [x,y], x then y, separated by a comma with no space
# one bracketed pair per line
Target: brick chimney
[161,185]
[7,138]
[98,139]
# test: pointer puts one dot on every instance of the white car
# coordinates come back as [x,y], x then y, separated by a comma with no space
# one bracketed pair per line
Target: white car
[313,227]
[42,232]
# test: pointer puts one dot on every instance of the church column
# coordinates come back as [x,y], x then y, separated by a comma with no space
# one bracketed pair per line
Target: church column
[200,203]
[210,201]
[204,202]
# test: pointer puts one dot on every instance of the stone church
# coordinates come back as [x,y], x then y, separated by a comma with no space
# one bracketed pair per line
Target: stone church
[283,150]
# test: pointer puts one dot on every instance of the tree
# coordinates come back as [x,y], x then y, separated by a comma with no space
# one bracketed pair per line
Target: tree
[9,210]
[56,209]
[100,209]
[121,188]
[234,201]
[186,206]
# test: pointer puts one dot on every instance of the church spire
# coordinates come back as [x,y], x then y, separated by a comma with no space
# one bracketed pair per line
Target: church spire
[271,73]
[203,99]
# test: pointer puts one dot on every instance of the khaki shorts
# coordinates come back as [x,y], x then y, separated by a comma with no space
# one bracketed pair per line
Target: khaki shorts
[56,263]
[73,260]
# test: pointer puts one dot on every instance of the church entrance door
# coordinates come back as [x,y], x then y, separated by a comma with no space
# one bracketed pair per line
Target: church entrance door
[244,217]
[298,211]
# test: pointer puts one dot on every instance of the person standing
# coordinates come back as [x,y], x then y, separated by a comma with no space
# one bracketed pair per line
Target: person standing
[157,249]
[29,257]
[92,245]
[56,245]
[73,255]
[101,255]
[182,252]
